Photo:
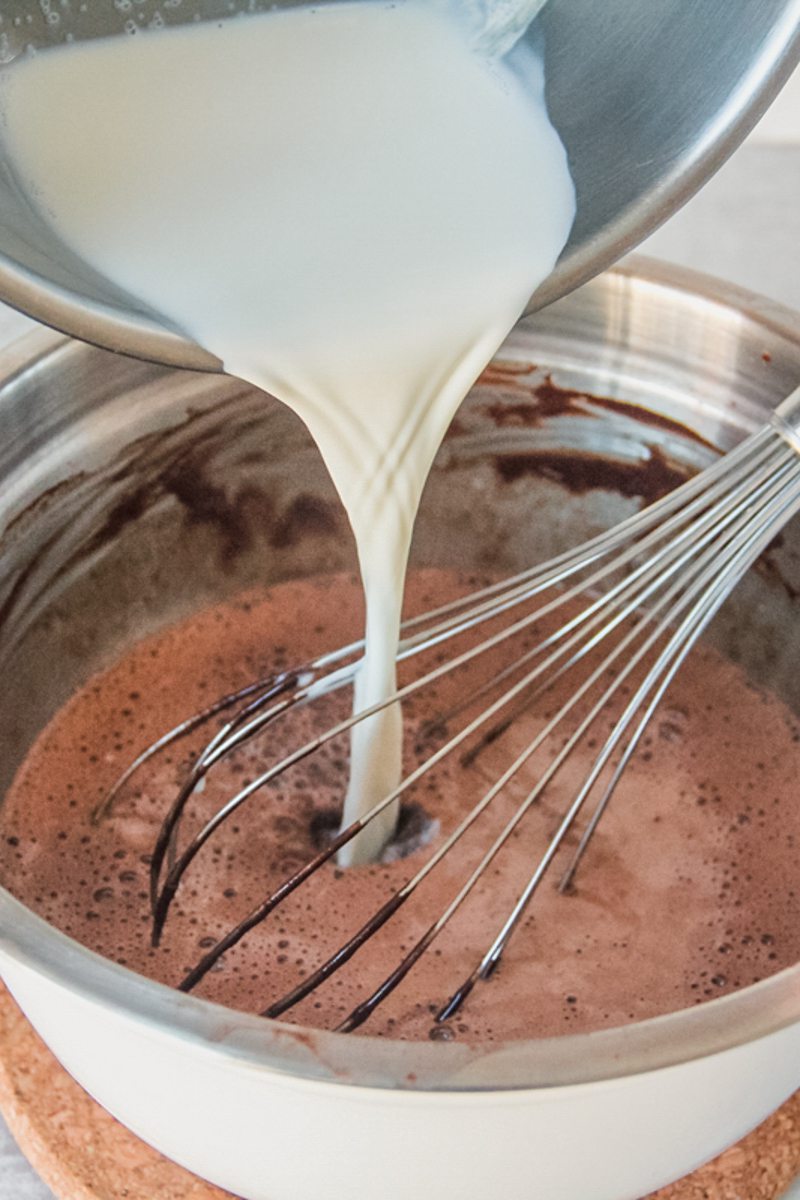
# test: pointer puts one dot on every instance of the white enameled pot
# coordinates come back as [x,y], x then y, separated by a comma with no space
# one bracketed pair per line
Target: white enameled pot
[275,1112]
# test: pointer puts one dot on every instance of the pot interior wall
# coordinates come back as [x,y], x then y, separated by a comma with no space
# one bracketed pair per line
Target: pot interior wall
[134,494]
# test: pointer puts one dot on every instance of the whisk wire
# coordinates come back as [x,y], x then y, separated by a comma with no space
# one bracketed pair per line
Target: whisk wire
[712,587]
[162,899]
[727,579]
[338,959]
[648,589]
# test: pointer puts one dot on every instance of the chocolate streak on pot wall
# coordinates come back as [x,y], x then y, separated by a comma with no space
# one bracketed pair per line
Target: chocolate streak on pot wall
[153,468]
[544,400]
[161,465]
[649,479]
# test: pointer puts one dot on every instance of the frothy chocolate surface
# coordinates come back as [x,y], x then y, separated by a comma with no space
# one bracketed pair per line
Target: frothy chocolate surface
[689,889]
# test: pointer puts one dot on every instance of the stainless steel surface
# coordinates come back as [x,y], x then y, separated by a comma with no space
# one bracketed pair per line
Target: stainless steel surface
[649,100]
[74,418]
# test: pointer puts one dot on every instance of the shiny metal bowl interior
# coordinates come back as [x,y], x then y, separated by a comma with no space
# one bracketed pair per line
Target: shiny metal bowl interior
[130,494]
[649,99]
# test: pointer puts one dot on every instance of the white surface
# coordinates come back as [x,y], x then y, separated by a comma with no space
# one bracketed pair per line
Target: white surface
[745,226]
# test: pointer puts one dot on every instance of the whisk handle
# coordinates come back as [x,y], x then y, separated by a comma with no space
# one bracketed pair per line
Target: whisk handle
[786,419]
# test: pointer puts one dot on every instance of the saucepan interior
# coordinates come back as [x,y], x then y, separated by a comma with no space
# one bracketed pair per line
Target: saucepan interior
[131,494]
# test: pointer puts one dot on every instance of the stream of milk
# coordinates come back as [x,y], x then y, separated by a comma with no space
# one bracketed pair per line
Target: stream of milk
[350,205]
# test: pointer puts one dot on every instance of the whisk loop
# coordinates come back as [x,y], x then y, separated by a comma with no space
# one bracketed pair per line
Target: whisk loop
[649,588]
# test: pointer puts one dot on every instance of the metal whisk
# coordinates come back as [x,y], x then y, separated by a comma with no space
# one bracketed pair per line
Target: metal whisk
[648,588]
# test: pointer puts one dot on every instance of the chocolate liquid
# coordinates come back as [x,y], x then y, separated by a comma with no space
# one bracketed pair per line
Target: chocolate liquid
[689,889]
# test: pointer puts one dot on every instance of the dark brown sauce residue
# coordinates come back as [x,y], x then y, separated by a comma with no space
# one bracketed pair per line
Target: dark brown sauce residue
[206,503]
[546,399]
[650,479]
[164,465]
[155,467]
[502,371]
[770,567]
[652,419]
[305,516]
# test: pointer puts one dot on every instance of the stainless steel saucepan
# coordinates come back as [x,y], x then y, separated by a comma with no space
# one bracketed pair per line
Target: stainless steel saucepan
[649,99]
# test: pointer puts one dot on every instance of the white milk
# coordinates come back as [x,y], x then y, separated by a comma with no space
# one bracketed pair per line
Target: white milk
[349,205]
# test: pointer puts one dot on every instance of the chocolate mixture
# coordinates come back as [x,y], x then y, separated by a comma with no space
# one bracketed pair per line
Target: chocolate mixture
[689,889]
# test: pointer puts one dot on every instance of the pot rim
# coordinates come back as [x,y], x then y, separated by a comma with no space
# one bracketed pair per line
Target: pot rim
[296,1052]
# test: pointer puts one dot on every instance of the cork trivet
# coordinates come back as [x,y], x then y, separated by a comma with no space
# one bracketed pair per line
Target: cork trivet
[82,1153]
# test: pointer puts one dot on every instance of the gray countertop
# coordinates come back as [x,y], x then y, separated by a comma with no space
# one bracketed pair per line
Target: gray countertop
[744,226]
